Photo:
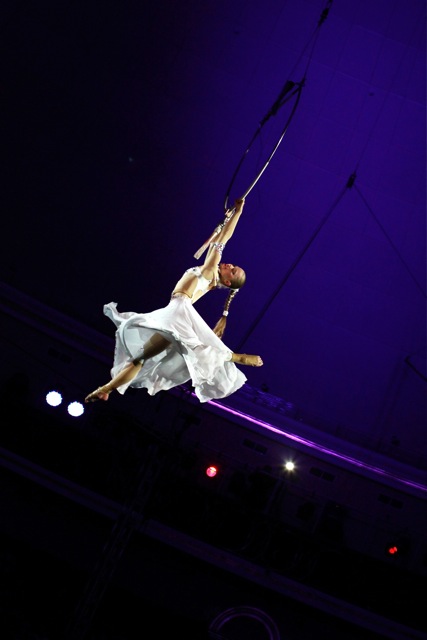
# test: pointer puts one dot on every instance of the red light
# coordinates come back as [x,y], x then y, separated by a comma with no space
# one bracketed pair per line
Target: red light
[211,471]
[400,548]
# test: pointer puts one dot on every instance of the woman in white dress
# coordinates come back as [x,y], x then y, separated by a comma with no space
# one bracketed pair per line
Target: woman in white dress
[167,347]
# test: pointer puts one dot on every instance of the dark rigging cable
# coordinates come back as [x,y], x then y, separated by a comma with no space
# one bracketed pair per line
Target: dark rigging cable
[391,242]
[381,226]
[295,263]
[350,183]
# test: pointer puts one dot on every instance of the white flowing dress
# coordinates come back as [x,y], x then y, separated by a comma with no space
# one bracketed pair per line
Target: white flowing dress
[195,353]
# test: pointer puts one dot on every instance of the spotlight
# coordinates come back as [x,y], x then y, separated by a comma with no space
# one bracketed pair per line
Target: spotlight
[398,547]
[54,398]
[211,471]
[289,465]
[75,409]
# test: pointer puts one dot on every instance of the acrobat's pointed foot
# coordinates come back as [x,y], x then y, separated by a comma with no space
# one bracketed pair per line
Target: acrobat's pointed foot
[249,360]
[99,394]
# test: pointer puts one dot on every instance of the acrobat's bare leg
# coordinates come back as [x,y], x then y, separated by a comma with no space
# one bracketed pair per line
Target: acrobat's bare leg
[155,345]
[243,358]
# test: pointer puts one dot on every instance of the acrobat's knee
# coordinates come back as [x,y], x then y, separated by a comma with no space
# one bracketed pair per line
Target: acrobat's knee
[139,358]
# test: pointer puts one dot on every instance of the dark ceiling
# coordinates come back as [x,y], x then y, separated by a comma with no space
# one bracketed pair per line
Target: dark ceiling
[122,126]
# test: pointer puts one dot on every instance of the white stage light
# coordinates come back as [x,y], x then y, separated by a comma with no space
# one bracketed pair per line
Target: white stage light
[75,409]
[53,398]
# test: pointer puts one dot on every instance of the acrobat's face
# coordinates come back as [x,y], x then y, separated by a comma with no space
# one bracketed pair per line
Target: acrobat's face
[230,274]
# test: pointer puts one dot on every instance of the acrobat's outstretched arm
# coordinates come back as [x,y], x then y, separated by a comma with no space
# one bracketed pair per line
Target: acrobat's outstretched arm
[224,231]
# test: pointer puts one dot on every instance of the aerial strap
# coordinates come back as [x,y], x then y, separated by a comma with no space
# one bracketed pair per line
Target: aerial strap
[290,90]
[289,86]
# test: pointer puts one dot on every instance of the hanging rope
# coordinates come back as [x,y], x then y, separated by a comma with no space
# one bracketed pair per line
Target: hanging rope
[291,88]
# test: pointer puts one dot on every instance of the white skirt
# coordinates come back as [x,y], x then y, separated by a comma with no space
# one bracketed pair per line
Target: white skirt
[195,352]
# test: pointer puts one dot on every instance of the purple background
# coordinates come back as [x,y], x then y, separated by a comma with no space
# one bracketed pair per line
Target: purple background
[122,126]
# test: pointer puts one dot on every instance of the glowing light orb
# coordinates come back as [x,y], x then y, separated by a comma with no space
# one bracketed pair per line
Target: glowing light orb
[211,471]
[75,409]
[53,398]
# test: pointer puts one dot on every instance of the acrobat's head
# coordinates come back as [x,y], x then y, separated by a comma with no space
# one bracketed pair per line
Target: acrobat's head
[231,276]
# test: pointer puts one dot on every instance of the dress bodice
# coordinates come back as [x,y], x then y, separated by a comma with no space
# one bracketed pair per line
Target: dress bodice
[202,284]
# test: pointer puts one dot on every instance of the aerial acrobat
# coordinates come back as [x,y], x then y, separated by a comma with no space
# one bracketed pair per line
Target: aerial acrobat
[172,345]
[167,347]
